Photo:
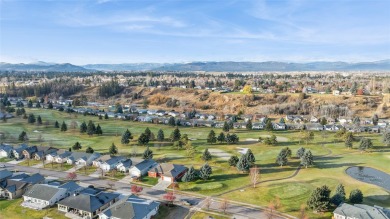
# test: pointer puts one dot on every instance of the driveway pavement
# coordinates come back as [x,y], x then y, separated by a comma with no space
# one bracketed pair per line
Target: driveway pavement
[161,185]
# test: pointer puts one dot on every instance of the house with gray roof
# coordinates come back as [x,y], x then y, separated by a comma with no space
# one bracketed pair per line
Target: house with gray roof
[43,151]
[142,168]
[5,150]
[111,163]
[62,157]
[40,196]
[4,174]
[360,211]
[17,152]
[87,205]
[15,186]
[82,158]
[125,165]
[131,207]
[167,171]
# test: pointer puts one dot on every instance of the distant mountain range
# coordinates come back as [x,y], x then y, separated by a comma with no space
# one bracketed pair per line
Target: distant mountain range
[383,65]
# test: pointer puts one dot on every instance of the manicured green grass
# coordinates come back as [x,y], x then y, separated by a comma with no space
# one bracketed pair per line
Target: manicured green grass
[149,180]
[58,166]
[292,192]
[30,162]
[201,215]
[86,171]
[5,159]
[12,209]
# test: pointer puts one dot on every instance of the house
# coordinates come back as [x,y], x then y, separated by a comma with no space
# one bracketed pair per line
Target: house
[360,211]
[239,125]
[314,119]
[111,163]
[43,151]
[17,153]
[294,118]
[125,165]
[345,120]
[314,127]
[4,174]
[40,196]
[87,204]
[279,126]
[142,168]
[332,127]
[29,152]
[62,157]
[168,172]
[101,160]
[258,125]
[336,92]
[5,150]
[260,118]
[82,158]
[51,155]
[15,187]
[132,207]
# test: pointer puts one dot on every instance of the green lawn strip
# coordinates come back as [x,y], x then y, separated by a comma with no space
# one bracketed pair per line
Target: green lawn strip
[12,209]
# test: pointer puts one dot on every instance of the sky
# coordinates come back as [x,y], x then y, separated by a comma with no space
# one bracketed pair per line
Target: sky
[160,31]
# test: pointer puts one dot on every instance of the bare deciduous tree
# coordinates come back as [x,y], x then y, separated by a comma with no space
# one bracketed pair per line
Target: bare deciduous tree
[254,174]
[224,205]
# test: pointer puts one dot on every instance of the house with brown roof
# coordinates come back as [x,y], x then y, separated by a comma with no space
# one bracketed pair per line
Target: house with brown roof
[168,172]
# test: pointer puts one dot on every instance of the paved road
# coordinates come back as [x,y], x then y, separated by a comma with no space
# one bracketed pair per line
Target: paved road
[237,209]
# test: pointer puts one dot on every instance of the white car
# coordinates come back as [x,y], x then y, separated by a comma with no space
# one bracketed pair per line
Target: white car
[2,166]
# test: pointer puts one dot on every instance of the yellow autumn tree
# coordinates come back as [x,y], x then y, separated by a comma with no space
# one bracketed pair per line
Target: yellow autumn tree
[247,89]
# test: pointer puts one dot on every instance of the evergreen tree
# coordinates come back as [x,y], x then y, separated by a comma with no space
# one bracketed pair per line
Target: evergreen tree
[76,146]
[83,127]
[23,136]
[375,119]
[190,175]
[148,154]
[231,138]
[323,121]
[365,143]
[38,105]
[31,118]
[99,130]
[242,164]
[356,196]
[148,133]
[206,156]
[39,120]
[50,105]
[56,125]
[249,125]
[100,117]
[250,157]
[281,159]
[113,149]
[221,137]
[91,129]
[143,139]
[30,104]
[225,127]
[231,124]
[175,135]
[160,135]
[301,152]
[233,160]
[126,137]
[282,121]
[64,128]
[89,150]
[348,140]
[171,121]
[386,138]
[319,199]
[307,159]
[339,196]
[211,139]
[106,116]
[268,126]
[205,171]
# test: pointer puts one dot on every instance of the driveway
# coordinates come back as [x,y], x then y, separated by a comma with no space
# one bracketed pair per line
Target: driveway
[161,185]
[15,161]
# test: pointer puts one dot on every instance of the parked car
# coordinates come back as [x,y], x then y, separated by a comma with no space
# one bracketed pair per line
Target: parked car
[2,166]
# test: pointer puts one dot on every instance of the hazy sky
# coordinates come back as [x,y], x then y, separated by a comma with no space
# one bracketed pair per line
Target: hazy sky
[127,31]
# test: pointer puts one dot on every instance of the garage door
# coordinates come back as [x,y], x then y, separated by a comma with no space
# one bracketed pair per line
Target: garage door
[169,179]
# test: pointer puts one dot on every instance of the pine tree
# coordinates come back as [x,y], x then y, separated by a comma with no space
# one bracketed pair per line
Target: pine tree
[281,159]
[31,118]
[356,196]
[100,117]
[250,157]
[225,127]
[319,199]
[64,127]
[126,137]
[83,127]
[30,104]
[268,126]
[89,150]
[307,159]
[205,171]
[365,143]
[375,119]
[300,152]
[339,196]
[39,120]
[106,116]
[91,129]
[249,125]
[99,130]
[171,121]
[56,125]
[148,133]
[211,139]
[76,146]
[113,149]
[242,164]
[231,138]
[190,175]
[143,139]
[148,154]
[160,135]
[221,137]
[23,136]
[50,105]
[323,121]
[175,135]
[348,140]
[233,160]
[206,156]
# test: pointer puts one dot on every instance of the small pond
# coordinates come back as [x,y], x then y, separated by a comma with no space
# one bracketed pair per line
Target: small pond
[370,175]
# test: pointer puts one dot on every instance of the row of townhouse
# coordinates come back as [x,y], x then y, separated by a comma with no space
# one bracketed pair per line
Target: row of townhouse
[72,199]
